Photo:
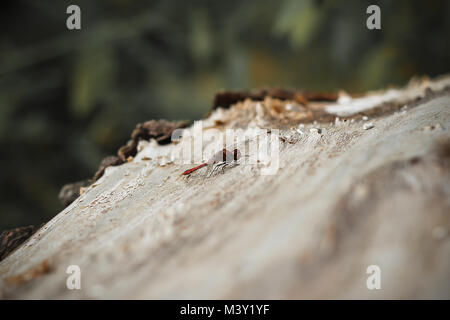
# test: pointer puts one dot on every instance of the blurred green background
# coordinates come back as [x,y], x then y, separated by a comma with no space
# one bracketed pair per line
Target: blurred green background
[69,98]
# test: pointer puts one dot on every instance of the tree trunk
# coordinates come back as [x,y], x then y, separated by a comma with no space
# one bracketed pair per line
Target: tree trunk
[366,185]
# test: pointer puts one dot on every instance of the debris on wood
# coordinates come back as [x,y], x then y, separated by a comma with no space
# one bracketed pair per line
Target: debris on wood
[315,130]
[368,126]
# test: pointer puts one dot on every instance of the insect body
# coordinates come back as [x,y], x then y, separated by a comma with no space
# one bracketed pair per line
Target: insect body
[221,159]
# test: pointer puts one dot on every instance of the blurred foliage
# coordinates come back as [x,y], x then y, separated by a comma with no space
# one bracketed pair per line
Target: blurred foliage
[69,98]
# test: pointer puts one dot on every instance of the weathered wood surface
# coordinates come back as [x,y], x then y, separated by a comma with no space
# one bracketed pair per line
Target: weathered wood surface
[342,200]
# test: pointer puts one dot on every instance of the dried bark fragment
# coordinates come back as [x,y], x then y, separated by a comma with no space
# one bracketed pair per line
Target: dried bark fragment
[11,239]
[71,191]
[160,130]
[106,162]
[226,99]
[128,150]
[321,96]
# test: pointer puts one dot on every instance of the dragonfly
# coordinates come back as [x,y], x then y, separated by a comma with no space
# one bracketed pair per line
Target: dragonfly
[221,159]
